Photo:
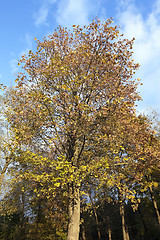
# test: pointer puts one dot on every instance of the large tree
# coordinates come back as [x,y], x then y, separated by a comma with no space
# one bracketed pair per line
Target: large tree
[74,86]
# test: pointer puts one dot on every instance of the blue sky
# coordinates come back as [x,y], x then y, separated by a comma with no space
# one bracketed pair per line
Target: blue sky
[23,20]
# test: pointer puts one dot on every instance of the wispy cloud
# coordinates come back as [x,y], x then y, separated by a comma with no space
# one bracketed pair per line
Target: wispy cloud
[69,12]
[28,39]
[147,45]
[14,66]
[29,44]
[41,15]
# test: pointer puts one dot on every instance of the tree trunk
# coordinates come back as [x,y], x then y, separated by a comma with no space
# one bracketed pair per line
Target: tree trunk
[142,218]
[155,205]
[109,224]
[109,234]
[83,233]
[3,171]
[127,233]
[74,213]
[123,220]
[96,218]
[122,214]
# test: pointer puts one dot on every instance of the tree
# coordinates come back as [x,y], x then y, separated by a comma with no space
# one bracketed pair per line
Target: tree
[72,87]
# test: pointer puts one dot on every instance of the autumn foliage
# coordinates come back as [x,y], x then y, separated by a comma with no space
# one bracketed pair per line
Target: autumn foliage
[74,121]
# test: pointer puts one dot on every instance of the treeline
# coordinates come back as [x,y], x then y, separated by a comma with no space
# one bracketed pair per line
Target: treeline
[78,162]
[24,215]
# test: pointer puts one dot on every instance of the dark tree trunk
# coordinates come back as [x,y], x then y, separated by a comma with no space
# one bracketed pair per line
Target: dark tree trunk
[109,228]
[155,205]
[142,218]
[96,218]
[109,223]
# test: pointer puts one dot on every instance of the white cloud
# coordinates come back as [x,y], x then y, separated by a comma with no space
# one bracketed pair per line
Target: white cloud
[0,75]
[146,48]
[146,32]
[77,12]
[72,12]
